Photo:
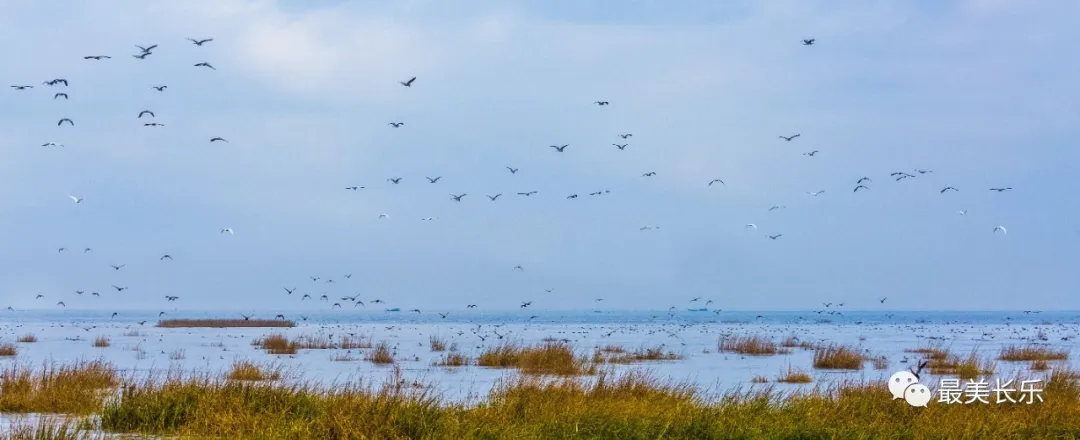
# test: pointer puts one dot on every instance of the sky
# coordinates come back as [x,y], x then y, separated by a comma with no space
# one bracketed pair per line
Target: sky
[983,93]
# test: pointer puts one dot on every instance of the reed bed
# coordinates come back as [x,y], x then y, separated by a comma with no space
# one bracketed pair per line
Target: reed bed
[754,345]
[276,344]
[7,349]
[247,370]
[1032,352]
[793,375]
[452,359]
[793,341]
[224,323]
[71,389]
[627,406]
[437,343]
[1040,365]
[380,355]
[641,354]
[838,357]
[555,358]
[969,367]
[101,342]
[931,352]
[28,338]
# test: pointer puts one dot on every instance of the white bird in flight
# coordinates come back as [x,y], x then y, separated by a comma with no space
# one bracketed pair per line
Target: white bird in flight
[229,230]
[962,212]
[76,199]
[815,193]
[1002,229]
[382,216]
[751,225]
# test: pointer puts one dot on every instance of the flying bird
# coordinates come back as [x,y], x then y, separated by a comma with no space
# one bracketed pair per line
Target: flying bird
[649,174]
[61,122]
[558,148]
[882,300]
[810,153]
[147,112]
[1000,189]
[512,170]
[962,212]
[22,87]
[789,138]
[115,267]
[200,42]
[860,186]
[1002,229]
[153,124]
[571,196]
[408,83]
[205,65]
[146,49]
[750,225]
[118,288]
[396,124]
[620,146]
[948,188]
[494,197]
[354,188]
[219,139]
[65,95]
[159,88]
[864,179]
[527,193]
[774,237]
[518,267]
[601,103]
[816,193]
[76,199]
[229,230]
[164,257]
[775,207]
[143,55]
[625,135]
[717,180]
[808,42]
[97,57]
[456,197]
[382,216]
[431,180]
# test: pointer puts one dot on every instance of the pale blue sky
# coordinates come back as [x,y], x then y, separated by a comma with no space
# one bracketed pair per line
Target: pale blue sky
[984,93]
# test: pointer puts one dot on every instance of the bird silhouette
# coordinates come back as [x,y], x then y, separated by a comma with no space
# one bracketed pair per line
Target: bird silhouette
[200,42]
[408,83]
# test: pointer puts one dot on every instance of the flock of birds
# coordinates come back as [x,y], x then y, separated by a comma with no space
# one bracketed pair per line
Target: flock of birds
[862,184]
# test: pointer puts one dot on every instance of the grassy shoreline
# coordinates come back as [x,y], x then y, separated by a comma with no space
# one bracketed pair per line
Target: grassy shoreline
[628,405]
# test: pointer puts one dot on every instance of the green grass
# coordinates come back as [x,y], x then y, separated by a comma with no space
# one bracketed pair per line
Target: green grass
[628,406]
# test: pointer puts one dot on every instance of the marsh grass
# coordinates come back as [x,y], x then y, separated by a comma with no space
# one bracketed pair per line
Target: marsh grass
[931,352]
[247,370]
[343,357]
[555,358]
[838,357]
[793,341]
[437,343]
[641,354]
[969,367]
[46,428]
[754,345]
[1031,352]
[881,363]
[380,355]
[224,323]
[28,338]
[7,349]
[759,379]
[1040,365]
[452,359]
[627,406]
[276,344]
[101,342]
[794,376]
[72,389]
[177,355]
